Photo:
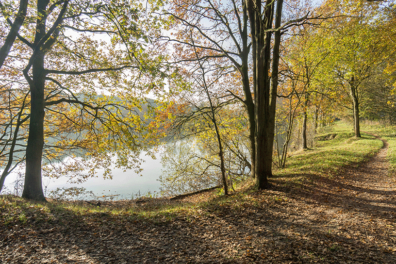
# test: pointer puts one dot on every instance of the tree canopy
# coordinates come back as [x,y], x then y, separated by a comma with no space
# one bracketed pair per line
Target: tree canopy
[77,78]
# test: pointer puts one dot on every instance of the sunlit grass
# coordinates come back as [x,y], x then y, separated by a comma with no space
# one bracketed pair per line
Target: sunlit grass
[335,148]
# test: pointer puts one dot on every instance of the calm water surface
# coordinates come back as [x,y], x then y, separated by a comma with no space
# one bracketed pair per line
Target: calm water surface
[124,185]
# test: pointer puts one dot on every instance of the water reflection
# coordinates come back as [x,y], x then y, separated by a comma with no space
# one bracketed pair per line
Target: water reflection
[124,185]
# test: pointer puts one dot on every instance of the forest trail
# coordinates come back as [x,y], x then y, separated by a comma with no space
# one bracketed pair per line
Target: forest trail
[343,218]
[361,203]
[355,209]
[368,187]
[371,185]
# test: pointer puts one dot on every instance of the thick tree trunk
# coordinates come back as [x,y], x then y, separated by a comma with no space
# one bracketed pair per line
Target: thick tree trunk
[274,82]
[263,155]
[33,185]
[33,188]
[252,130]
[264,90]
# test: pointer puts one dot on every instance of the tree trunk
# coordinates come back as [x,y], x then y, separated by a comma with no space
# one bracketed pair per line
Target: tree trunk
[2,179]
[214,121]
[355,101]
[316,118]
[248,102]
[249,105]
[222,166]
[356,119]
[263,168]
[304,131]
[304,125]
[274,81]
[18,21]
[33,188]
[264,90]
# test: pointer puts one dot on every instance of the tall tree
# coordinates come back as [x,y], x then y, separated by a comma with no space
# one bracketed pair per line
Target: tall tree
[265,81]
[69,64]
[354,30]
[222,29]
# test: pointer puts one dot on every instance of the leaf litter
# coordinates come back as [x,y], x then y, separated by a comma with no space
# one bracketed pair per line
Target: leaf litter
[345,218]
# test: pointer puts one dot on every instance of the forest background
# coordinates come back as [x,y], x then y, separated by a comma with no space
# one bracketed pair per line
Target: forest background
[237,84]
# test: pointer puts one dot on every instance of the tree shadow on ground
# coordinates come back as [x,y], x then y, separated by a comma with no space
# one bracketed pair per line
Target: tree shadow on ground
[303,218]
[269,229]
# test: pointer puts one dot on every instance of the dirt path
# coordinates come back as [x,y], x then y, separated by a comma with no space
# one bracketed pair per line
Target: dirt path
[348,218]
[358,210]
[371,187]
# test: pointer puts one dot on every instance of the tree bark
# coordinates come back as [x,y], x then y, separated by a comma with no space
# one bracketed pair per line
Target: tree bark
[263,168]
[10,39]
[304,125]
[252,130]
[33,185]
[304,131]
[274,79]
[33,188]
[355,101]
[356,119]
[249,105]
[264,90]
[249,101]
[316,118]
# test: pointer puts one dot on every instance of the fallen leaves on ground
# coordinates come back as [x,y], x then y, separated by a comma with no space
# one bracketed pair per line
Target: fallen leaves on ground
[345,218]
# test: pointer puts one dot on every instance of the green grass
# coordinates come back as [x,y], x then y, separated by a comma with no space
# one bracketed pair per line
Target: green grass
[335,148]
[17,211]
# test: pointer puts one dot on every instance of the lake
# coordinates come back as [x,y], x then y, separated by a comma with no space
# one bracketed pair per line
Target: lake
[124,185]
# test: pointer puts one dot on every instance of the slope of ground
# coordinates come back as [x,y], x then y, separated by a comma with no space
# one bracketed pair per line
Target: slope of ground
[342,214]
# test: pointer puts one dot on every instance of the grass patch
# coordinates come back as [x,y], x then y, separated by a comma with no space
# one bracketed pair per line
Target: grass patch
[17,211]
[335,148]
